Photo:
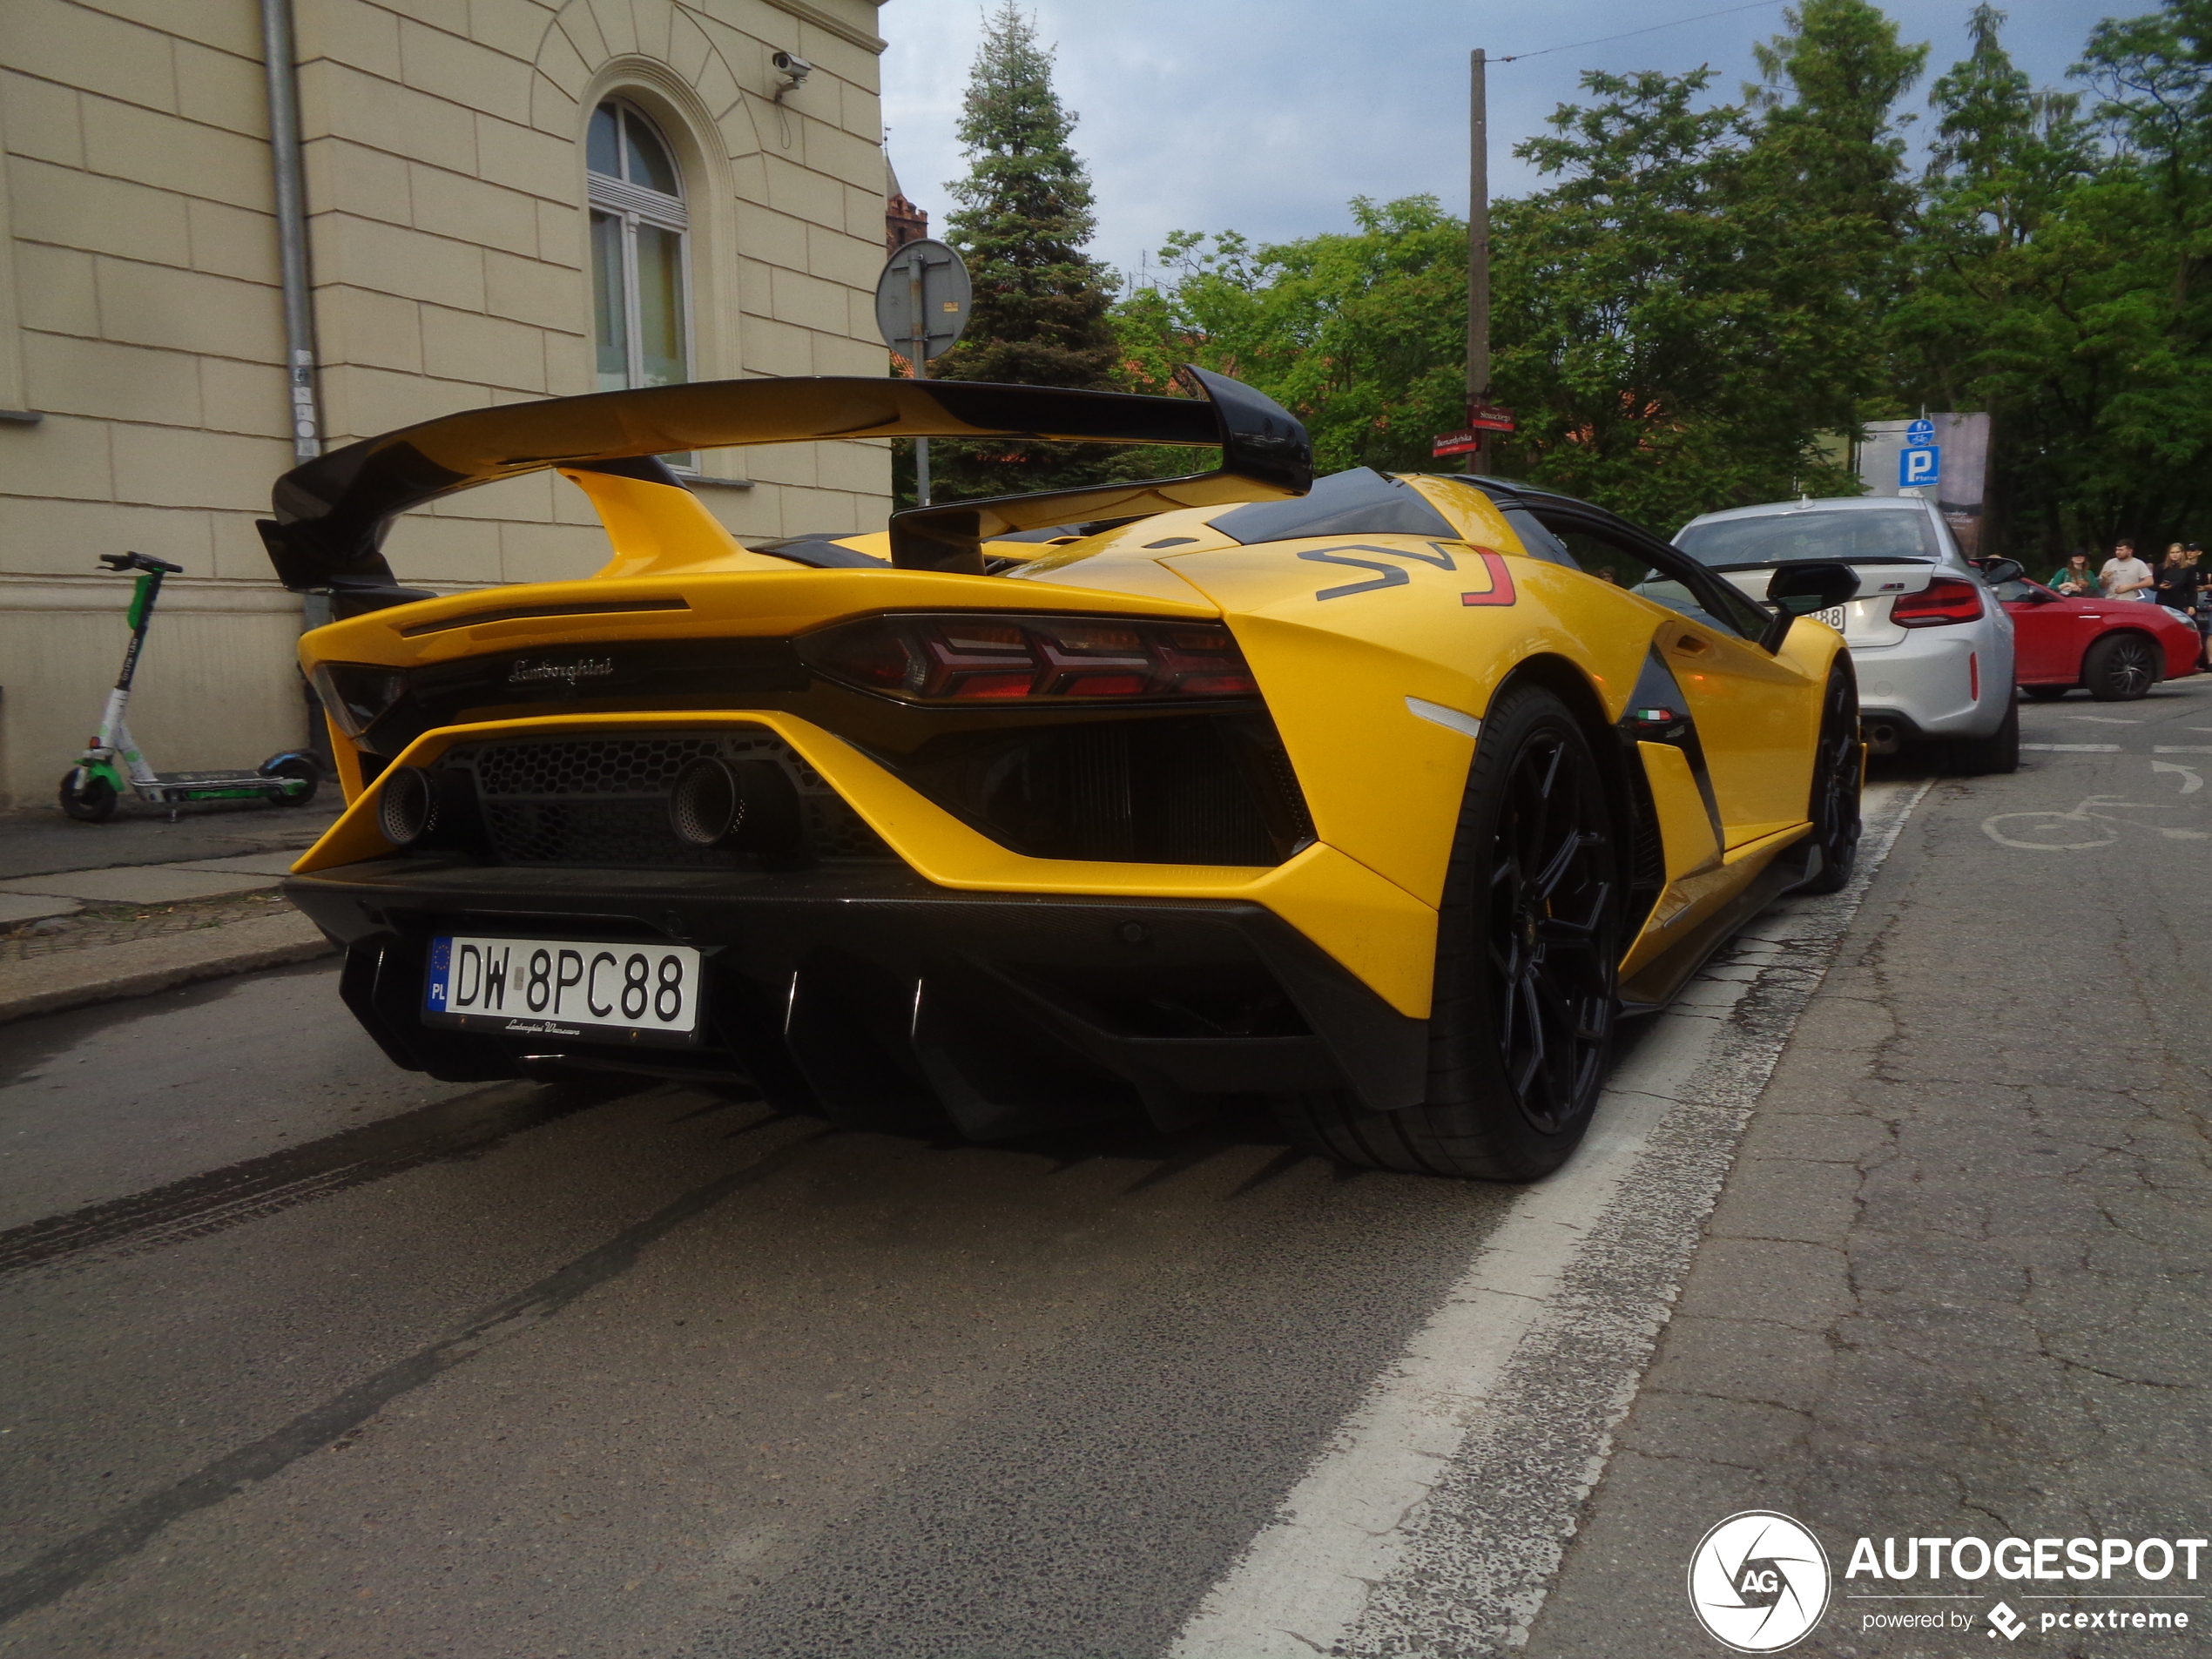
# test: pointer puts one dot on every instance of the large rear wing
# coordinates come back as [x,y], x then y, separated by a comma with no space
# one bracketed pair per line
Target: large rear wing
[332,513]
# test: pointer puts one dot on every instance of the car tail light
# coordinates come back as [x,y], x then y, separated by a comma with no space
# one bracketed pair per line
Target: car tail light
[356,696]
[1944,600]
[1005,658]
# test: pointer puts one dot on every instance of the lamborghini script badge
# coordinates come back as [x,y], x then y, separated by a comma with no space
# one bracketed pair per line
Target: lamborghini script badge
[584,668]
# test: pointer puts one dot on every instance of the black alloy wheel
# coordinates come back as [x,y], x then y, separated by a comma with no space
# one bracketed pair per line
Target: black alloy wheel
[1836,771]
[2120,668]
[1551,887]
[1528,960]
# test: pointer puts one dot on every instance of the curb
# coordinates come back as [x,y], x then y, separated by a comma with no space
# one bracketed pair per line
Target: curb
[141,967]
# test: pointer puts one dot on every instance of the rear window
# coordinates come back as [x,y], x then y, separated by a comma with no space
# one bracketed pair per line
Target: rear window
[1358,502]
[1862,537]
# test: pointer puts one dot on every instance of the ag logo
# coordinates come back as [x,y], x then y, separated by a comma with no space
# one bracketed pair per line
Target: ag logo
[1758,1581]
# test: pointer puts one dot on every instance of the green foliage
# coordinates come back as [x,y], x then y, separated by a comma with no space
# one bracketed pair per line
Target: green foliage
[2059,283]
[1039,311]
[1361,335]
[1702,294]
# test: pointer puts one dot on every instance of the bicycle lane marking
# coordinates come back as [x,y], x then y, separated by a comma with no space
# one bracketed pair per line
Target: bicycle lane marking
[1362,1558]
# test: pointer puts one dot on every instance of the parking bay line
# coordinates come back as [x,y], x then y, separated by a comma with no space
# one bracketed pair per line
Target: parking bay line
[1435,1519]
[2181,749]
[2075,748]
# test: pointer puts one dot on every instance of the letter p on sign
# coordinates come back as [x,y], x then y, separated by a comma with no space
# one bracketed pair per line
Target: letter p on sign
[1921,466]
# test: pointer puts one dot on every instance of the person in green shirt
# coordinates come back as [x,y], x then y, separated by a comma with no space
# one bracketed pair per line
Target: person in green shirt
[2075,579]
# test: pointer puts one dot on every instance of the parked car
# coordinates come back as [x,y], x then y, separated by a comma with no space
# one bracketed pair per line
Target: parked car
[940,830]
[1934,654]
[2116,648]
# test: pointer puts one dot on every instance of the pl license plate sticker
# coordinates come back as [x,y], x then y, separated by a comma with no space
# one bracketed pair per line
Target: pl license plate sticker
[564,988]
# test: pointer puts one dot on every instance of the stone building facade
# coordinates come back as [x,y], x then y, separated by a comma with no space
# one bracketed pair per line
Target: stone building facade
[506,200]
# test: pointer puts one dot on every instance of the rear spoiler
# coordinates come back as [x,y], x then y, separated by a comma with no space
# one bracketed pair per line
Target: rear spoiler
[332,513]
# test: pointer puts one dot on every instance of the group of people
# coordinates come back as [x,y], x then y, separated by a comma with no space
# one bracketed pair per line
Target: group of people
[2181,583]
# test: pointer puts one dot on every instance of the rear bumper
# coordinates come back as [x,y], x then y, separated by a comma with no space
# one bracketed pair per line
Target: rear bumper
[1938,682]
[866,994]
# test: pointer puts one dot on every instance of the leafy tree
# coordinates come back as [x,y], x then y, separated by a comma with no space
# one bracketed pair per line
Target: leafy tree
[1362,335]
[1645,328]
[2056,287]
[1040,311]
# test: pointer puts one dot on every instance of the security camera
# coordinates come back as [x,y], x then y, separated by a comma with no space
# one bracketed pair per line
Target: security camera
[794,69]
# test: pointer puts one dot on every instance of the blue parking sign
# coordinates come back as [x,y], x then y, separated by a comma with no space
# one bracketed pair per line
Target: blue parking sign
[1920,465]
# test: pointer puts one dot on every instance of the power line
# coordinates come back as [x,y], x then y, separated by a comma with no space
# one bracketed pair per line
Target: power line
[1725,12]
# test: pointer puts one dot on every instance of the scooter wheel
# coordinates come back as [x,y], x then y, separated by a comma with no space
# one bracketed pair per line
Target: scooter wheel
[91,801]
[294,767]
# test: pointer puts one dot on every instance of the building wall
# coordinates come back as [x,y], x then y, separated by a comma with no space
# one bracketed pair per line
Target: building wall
[140,316]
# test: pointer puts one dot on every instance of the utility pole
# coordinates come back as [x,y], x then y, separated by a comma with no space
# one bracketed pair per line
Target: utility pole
[1478,249]
[1474,440]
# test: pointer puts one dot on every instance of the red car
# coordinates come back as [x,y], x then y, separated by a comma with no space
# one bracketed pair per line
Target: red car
[2118,648]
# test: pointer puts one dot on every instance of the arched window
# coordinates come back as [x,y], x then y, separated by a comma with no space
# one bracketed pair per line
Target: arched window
[640,293]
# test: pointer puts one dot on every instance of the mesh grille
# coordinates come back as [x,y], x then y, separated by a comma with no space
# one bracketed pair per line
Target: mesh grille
[604,801]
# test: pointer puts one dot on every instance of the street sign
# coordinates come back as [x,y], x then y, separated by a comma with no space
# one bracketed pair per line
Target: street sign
[923,292]
[1919,465]
[1919,434]
[1481,418]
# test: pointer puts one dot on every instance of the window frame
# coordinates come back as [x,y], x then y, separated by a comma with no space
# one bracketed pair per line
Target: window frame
[633,205]
[1743,618]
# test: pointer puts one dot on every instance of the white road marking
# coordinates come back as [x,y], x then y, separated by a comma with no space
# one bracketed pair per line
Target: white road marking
[2190,782]
[2075,748]
[2181,749]
[2105,720]
[1354,1561]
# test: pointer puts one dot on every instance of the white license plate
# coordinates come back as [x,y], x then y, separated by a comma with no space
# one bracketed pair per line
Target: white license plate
[1833,617]
[564,988]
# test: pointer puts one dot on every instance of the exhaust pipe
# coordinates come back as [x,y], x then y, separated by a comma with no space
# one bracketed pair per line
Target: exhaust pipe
[1883,738]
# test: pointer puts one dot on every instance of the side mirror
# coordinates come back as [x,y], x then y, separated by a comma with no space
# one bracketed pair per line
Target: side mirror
[1799,589]
[1996,570]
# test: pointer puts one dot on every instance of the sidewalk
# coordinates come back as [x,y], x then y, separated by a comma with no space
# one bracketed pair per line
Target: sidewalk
[92,912]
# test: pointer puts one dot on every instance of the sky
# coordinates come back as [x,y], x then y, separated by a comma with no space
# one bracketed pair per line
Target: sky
[1268,116]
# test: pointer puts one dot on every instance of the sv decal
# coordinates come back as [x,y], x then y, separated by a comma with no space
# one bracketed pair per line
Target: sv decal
[1387,575]
[1502,591]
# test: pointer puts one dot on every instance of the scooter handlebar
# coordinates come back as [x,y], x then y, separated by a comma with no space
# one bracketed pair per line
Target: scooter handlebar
[139,562]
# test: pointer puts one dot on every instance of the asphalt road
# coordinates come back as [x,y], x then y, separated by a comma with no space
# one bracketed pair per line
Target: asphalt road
[309,1357]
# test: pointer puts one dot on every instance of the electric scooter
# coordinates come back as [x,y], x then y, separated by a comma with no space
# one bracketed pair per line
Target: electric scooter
[111,762]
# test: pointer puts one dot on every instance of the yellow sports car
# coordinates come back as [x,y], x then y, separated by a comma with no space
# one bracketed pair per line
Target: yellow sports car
[1380,797]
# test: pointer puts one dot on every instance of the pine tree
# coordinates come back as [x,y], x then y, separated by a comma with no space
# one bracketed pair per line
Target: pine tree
[1040,316]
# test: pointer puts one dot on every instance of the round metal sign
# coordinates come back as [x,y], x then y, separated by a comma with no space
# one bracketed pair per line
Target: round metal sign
[923,293]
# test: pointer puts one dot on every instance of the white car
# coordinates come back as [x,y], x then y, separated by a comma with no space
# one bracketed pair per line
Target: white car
[1932,645]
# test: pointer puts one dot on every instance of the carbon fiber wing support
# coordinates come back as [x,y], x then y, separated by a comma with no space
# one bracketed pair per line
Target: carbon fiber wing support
[332,513]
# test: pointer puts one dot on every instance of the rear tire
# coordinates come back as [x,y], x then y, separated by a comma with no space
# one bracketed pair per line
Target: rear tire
[2120,668]
[294,767]
[92,800]
[2046,693]
[1529,947]
[1834,808]
[1999,752]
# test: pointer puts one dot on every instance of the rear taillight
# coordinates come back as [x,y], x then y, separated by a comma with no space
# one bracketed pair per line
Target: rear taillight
[1946,599]
[357,695]
[1000,658]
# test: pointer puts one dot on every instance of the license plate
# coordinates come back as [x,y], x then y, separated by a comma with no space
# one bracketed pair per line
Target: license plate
[1833,617]
[564,988]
